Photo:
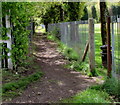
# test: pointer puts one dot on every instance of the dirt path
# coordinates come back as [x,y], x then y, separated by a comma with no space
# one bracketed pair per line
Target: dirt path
[58,82]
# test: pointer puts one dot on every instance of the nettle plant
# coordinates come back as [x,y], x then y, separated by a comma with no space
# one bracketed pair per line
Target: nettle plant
[20,15]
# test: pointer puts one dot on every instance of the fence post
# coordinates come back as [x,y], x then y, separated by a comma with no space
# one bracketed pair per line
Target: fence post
[0,35]
[91,46]
[118,28]
[9,42]
[108,48]
[113,47]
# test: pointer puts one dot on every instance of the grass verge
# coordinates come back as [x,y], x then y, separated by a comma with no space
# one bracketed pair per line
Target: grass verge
[111,86]
[90,96]
[15,82]
[10,89]
[108,92]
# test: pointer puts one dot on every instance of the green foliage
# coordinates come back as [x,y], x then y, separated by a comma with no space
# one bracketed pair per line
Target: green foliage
[20,16]
[10,94]
[71,8]
[94,12]
[21,83]
[61,11]
[69,53]
[82,67]
[52,14]
[89,96]
[112,86]
[115,10]
[51,37]
[85,16]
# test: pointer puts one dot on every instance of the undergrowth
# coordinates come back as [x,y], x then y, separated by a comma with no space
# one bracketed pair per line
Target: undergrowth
[90,96]
[9,89]
[108,92]
[15,81]
[111,86]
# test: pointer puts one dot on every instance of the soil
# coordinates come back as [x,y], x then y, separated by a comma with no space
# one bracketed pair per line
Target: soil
[58,82]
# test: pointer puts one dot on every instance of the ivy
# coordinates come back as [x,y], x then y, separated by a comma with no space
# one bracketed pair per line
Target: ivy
[20,14]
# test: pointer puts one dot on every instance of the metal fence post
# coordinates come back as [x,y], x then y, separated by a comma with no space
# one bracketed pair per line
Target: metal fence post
[91,46]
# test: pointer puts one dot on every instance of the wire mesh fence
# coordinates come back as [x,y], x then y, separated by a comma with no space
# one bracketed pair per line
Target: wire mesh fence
[115,39]
[73,34]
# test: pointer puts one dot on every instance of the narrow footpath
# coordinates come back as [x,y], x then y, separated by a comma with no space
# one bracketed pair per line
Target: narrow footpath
[58,82]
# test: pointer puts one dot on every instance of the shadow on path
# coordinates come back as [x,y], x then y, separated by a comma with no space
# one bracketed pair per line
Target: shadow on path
[58,82]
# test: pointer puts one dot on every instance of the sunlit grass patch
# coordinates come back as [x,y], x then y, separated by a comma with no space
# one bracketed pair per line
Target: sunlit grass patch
[89,96]
[39,29]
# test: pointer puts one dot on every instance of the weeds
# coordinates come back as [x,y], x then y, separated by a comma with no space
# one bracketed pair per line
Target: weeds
[89,96]
[9,89]
[111,86]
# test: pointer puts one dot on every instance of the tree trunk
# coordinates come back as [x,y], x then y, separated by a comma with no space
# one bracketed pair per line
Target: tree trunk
[103,9]
[61,14]
[46,27]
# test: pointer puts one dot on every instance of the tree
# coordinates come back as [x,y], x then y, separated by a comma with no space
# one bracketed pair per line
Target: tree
[94,12]
[59,12]
[103,14]
[85,16]
[114,10]
[118,10]
[52,14]
[73,10]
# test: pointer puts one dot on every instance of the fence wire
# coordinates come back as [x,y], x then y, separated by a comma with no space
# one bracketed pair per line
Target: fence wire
[115,31]
[73,34]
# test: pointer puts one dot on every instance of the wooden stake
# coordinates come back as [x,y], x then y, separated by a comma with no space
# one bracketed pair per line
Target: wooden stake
[91,46]
[85,52]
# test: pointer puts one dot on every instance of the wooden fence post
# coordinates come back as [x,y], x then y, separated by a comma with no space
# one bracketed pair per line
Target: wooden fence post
[91,46]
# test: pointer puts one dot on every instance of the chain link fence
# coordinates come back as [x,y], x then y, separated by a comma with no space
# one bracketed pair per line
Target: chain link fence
[73,34]
[115,39]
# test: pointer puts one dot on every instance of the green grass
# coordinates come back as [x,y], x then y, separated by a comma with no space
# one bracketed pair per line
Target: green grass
[21,83]
[9,89]
[89,96]
[110,86]
[101,71]
[15,82]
